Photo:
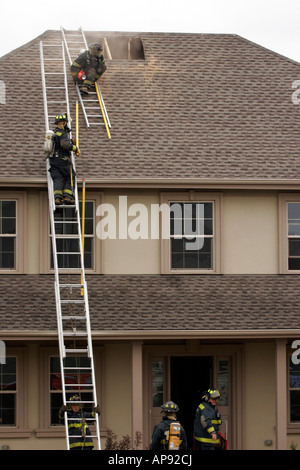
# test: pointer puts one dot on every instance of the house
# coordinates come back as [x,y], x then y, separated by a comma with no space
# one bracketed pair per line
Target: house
[206,126]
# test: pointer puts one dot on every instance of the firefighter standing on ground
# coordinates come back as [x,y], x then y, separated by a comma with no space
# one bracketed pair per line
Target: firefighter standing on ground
[161,432]
[60,161]
[207,422]
[79,433]
[88,67]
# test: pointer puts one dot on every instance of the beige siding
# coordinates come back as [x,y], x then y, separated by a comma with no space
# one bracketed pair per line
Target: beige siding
[259,396]
[250,233]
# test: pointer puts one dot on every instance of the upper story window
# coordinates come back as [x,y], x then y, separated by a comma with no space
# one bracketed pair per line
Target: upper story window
[193,241]
[68,249]
[12,232]
[8,233]
[289,233]
[191,233]
[293,216]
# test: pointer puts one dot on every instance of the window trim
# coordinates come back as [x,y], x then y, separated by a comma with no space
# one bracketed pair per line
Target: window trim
[45,239]
[45,428]
[192,196]
[21,230]
[284,199]
[292,428]
[21,427]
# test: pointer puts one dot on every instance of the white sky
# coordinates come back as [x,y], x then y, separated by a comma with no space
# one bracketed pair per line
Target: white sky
[274,24]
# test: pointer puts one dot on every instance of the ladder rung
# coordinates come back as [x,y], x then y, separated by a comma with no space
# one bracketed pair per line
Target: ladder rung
[76,350]
[77,368]
[82,401]
[75,334]
[73,317]
[65,221]
[75,301]
[68,253]
[51,45]
[71,236]
[58,59]
[69,269]
[55,87]
[79,385]
[54,73]
[71,285]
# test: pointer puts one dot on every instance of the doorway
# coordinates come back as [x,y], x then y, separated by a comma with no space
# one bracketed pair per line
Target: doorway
[189,378]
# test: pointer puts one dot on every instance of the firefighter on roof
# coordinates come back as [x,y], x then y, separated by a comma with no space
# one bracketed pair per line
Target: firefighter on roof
[60,161]
[207,422]
[79,432]
[168,434]
[88,67]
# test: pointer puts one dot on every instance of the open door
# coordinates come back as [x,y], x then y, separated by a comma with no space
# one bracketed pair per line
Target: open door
[190,377]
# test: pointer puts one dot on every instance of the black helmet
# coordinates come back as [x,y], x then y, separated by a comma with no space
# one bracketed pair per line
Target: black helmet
[61,117]
[95,49]
[215,394]
[74,398]
[170,407]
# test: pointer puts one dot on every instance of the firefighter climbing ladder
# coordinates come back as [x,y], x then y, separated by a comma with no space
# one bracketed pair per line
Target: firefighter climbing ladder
[72,306]
[75,42]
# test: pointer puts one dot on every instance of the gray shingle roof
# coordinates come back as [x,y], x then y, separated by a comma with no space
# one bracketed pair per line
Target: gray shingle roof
[199,106]
[159,302]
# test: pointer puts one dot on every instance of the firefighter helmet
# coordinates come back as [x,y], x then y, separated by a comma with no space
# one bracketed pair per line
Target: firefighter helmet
[211,393]
[170,407]
[95,49]
[74,398]
[61,117]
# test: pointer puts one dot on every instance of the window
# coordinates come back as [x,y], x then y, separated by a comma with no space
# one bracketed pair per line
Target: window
[68,250]
[77,374]
[191,232]
[157,383]
[293,214]
[289,233]
[12,232]
[13,395]
[294,392]
[8,392]
[193,241]
[8,233]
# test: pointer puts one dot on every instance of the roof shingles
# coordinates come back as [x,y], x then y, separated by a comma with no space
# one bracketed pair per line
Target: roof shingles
[159,302]
[200,105]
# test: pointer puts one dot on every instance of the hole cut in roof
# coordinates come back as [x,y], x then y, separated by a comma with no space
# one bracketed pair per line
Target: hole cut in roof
[123,48]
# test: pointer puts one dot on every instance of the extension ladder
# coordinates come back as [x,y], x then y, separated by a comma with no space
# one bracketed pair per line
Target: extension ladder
[71,295]
[75,42]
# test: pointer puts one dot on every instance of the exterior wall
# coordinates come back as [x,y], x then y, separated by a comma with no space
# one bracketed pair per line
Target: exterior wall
[249,236]
[250,233]
[128,256]
[259,396]
[117,388]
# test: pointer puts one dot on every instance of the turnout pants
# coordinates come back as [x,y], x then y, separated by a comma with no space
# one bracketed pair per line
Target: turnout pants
[61,176]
